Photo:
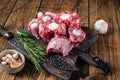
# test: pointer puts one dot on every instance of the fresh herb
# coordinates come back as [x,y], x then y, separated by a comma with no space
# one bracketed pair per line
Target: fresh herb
[35,51]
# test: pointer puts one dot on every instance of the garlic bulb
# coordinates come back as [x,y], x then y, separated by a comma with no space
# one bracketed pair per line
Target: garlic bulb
[101,26]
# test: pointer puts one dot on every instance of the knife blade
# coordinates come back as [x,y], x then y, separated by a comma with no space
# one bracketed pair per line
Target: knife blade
[14,43]
[91,37]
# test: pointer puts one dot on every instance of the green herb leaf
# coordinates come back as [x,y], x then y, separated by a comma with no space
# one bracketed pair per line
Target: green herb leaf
[35,51]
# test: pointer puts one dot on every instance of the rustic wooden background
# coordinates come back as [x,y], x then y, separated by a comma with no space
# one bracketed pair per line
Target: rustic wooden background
[16,14]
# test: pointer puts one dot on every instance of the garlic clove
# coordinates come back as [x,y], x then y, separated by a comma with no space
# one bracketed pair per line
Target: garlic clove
[101,26]
[15,56]
[8,60]
[4,63]
[4,58]
[8,55]
[19,60]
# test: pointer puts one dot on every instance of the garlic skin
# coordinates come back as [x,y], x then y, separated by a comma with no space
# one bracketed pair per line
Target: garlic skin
[101,26]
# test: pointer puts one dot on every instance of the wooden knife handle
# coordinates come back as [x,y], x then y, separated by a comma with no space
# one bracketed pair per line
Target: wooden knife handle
[4,33]
[95,61]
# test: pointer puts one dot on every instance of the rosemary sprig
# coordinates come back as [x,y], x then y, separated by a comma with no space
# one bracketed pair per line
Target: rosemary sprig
[35,51]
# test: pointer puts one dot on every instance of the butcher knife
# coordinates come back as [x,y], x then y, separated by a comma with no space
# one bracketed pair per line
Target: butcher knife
[77,52]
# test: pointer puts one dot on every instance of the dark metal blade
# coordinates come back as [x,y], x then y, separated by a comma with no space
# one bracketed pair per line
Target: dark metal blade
[61,73]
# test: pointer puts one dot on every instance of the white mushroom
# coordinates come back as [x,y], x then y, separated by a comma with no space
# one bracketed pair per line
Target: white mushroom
[101,26]
[15,56]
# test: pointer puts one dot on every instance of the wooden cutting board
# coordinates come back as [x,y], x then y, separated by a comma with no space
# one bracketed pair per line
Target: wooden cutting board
[91,37]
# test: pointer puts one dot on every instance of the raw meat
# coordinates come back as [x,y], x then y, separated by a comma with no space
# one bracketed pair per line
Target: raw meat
[45,33]
[48,31]
[53,15]
[70,19]
[59,44]
[33,27]
[76,35]
[61,31]
[39,14]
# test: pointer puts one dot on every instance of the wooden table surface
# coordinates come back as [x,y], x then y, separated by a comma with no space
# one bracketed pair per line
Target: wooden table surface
[16,14]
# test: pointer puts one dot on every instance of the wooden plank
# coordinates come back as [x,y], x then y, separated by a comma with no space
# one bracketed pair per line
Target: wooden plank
[115,39]
[82,10]
[4,14]
[57,5]
[22,13]
[107,46]
[42,75]
[6,7]
[28,73]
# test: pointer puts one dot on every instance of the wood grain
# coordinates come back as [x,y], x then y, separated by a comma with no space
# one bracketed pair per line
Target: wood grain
[18,19]
[6,7]
[16,14]
[4,14]
[107,46]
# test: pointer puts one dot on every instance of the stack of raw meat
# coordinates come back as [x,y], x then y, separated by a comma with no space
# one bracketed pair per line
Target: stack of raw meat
[61,31]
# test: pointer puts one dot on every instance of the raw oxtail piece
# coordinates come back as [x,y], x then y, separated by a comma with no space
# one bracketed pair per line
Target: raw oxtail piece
[76,35]
[60,44]
[70,19]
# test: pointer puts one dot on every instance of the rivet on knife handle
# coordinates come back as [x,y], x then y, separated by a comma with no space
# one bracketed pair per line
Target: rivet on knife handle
[4,33]
[102,64]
